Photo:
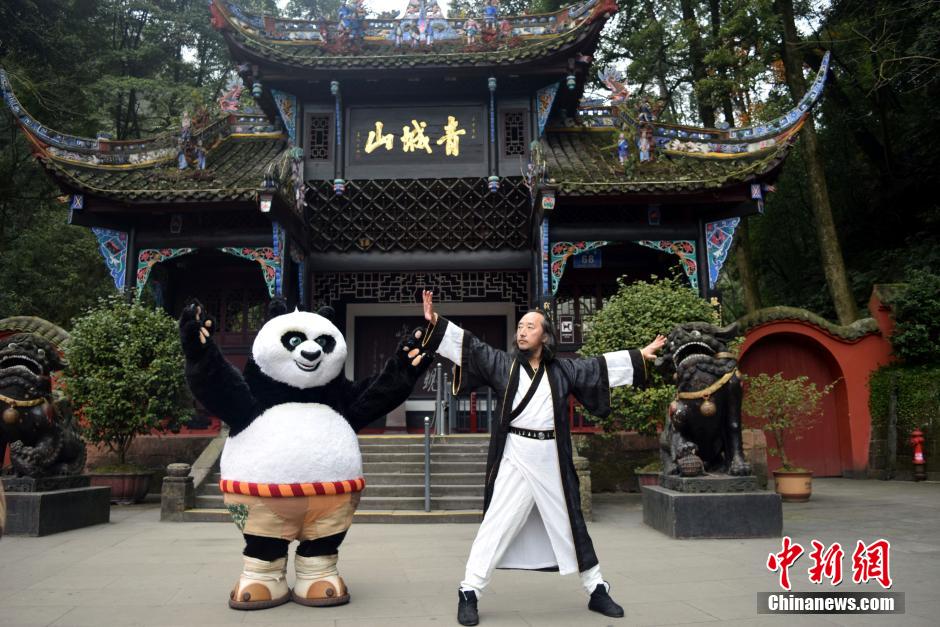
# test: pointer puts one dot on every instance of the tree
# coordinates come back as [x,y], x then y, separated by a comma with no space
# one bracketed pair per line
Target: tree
[125,373]
[631,318]
[783,407]
[829,247]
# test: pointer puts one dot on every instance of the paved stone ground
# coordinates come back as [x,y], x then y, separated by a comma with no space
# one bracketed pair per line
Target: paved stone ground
[138,571]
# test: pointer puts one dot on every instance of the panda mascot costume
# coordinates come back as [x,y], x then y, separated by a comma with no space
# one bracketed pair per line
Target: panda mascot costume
[291,467]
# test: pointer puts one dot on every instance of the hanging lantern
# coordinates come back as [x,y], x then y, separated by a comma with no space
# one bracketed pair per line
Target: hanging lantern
[571,81]
[339,187]
[493,183]
[257,89]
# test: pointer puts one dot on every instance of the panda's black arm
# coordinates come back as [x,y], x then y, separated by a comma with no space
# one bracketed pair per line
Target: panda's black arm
[214,382]
[221,388]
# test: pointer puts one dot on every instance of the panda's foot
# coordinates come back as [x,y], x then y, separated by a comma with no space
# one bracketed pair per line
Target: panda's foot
[261,585]
[318,582]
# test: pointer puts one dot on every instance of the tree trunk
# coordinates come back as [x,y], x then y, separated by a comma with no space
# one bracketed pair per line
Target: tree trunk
[829,248]
[715,14]
[697,58]
[746,274]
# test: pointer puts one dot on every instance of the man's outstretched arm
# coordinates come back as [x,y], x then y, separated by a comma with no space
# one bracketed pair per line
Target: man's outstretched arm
[592,378]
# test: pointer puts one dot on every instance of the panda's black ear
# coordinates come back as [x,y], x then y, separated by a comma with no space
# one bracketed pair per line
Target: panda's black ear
[277,307]
[327,312]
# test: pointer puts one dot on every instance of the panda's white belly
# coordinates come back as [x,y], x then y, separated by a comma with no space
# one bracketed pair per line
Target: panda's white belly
[293,443]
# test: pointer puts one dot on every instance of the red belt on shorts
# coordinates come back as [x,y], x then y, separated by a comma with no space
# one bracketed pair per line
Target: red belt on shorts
[320,488]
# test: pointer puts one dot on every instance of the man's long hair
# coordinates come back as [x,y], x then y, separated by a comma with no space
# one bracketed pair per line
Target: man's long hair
[549,341]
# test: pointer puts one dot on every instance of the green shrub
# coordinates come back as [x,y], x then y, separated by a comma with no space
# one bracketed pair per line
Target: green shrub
[783,407]
[918,397]
[916,338]
[632,318]
[125,373]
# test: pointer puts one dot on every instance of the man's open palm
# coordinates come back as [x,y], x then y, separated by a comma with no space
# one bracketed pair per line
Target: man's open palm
[429,314]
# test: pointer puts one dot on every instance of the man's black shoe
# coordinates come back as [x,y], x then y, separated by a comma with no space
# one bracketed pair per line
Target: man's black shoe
[467,608]
[602,603]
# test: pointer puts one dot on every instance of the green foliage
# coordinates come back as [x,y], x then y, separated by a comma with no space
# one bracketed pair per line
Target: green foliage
[783,407]
[653,466]
[918,397]
[916,338]
[51,270]
[125,373]
[632,318]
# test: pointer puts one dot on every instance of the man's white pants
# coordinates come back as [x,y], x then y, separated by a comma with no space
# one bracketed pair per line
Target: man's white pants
[529,477]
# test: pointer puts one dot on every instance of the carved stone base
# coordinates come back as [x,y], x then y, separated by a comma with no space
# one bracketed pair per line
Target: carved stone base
[45,484]
[713,515]
[44,513]
[709,484]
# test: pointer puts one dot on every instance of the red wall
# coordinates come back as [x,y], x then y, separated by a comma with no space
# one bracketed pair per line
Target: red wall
[838,443]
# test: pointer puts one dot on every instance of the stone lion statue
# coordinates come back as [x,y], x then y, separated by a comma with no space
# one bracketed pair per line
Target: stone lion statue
[35,421]
[703,426]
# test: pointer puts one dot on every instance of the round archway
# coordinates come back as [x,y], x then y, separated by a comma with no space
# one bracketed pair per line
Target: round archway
[823,447]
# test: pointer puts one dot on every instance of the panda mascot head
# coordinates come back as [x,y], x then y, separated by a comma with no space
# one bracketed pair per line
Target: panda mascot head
[301,349]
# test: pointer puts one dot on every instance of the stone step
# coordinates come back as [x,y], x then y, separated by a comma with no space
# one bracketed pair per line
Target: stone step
[209,488]
[415,458]
[473,516]
[437,478]
[436,449]
[416,491]
[418,467]
[396,503]
[482,438]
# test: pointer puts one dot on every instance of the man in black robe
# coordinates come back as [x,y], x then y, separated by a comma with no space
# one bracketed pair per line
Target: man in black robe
[532,504]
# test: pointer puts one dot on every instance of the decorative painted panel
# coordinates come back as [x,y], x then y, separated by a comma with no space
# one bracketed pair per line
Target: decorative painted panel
[113,247]
[682,248]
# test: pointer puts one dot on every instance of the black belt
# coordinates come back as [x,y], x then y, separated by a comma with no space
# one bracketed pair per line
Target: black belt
[531,433]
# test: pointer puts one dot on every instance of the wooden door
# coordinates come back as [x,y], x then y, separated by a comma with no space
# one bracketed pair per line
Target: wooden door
[820,447]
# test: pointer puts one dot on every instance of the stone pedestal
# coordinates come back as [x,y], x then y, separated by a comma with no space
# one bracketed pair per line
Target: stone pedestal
[59,504]
[178,493]
[583,467]
[712,507]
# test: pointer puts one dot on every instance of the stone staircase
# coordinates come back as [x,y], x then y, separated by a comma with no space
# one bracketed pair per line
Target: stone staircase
[394,473]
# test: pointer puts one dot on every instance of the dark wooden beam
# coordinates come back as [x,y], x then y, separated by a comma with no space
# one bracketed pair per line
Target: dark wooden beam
[421,261]
[620,232]
[203,239]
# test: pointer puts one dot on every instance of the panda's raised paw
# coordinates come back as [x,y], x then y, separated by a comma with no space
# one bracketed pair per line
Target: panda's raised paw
[194,323]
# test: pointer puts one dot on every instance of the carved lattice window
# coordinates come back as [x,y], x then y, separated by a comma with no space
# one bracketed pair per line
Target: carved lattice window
[514,136]
[419,214]
[318,136]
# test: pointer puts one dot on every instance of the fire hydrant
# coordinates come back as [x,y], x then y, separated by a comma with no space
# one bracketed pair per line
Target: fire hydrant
[920,467]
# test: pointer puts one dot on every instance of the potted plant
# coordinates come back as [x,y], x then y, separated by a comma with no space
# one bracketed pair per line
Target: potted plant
[785,408]
[649,474]
[125,377]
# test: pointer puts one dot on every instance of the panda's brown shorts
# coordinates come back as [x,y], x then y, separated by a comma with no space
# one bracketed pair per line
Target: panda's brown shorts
[295,517]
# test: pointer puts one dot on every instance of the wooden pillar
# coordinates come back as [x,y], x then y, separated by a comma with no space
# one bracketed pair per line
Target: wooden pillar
[701,260]
[130,265]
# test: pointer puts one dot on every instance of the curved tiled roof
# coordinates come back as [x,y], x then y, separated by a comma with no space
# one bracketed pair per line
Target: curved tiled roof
[584,162]
[317,45]
[850,332]
[241,148]
[235,169]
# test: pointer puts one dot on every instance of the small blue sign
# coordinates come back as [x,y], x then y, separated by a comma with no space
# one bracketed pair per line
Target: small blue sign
[589,259]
